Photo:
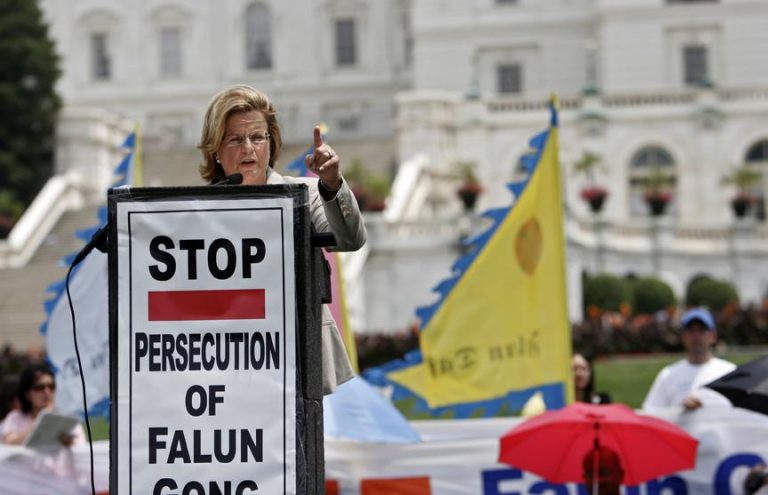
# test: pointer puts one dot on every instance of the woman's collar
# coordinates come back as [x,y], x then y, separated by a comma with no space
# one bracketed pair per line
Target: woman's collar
[273,177]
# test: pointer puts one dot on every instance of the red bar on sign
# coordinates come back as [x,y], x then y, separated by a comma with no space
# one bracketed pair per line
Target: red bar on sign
[396,486]
[331,487]
[187,305]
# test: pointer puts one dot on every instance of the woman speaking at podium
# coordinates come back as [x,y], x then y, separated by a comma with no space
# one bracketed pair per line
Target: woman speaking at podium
[241,135]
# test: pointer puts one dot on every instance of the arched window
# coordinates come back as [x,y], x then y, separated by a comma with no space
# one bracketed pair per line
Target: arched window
[650,165]
[758,152]
[258,37]
[652,156]
[757,159]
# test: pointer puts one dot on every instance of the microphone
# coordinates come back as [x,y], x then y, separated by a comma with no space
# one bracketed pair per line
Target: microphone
[230,180]
[98,241]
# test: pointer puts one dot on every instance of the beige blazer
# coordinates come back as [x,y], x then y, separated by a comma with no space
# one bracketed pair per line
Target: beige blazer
[341,215]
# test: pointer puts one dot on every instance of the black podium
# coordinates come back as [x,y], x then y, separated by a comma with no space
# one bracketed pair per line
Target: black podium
[215,298]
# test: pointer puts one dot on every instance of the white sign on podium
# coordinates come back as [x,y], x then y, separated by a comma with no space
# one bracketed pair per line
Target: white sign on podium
[205,385]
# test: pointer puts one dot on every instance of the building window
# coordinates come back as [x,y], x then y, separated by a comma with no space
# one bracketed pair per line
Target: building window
[506,2]
[407,39]
[258,37]
[346,49]
[695,65]
[757,159]
[652,156]
[101,64]
[348,123]
[650,164]
[509,78]
[170,52]
[758,152]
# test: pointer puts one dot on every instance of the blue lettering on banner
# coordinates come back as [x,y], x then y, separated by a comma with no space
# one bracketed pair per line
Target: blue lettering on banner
[670,485]
[492,478]
[722,480]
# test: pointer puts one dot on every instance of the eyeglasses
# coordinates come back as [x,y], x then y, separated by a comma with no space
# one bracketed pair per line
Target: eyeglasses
[256,139]
[42,386]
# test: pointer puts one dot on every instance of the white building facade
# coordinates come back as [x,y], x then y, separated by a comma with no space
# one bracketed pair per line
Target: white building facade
[674,84]
[160,62]
[644,84]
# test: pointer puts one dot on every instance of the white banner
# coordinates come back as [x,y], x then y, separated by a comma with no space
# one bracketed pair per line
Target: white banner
[206,347]
[459,457]
[89,297]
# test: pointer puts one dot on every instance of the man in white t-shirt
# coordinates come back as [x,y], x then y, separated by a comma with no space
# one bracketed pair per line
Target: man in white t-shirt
[679,384]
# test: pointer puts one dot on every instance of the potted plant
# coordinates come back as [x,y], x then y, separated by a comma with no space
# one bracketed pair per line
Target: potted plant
[744,179]
[595,195]
[657,195]
[657,201]
[470,188]
[355,176]
[376,189]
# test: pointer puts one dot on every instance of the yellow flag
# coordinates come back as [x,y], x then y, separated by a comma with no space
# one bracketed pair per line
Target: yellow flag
[503,326]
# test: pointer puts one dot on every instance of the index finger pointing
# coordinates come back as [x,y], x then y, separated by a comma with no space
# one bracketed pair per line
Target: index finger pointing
[318,137]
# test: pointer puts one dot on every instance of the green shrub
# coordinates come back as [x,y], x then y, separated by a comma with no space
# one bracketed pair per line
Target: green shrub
[606,292]
[709,292]
[650,295]
[695,288]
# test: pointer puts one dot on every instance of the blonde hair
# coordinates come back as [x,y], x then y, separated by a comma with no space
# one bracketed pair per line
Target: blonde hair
[230,101]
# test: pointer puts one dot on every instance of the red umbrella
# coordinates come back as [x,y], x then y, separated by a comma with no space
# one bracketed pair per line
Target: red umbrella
[554,444]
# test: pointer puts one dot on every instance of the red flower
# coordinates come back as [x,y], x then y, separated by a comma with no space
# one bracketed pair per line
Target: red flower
[663,196]
[470,187]
[744,196]
[593,192]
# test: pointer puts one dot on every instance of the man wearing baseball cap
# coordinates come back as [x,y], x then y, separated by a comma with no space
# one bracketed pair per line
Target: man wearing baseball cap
[679,384]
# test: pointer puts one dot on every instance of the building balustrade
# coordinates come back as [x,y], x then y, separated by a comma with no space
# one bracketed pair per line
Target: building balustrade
[748,235]
[628,100]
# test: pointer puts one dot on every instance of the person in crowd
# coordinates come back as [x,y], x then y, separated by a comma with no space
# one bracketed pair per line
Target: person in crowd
[603,472]
[36,395]
[241,135]
[680,384]
[584,381]
[36,390]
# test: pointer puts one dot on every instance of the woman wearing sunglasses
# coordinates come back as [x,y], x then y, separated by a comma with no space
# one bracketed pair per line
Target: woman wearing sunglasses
[36,392]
